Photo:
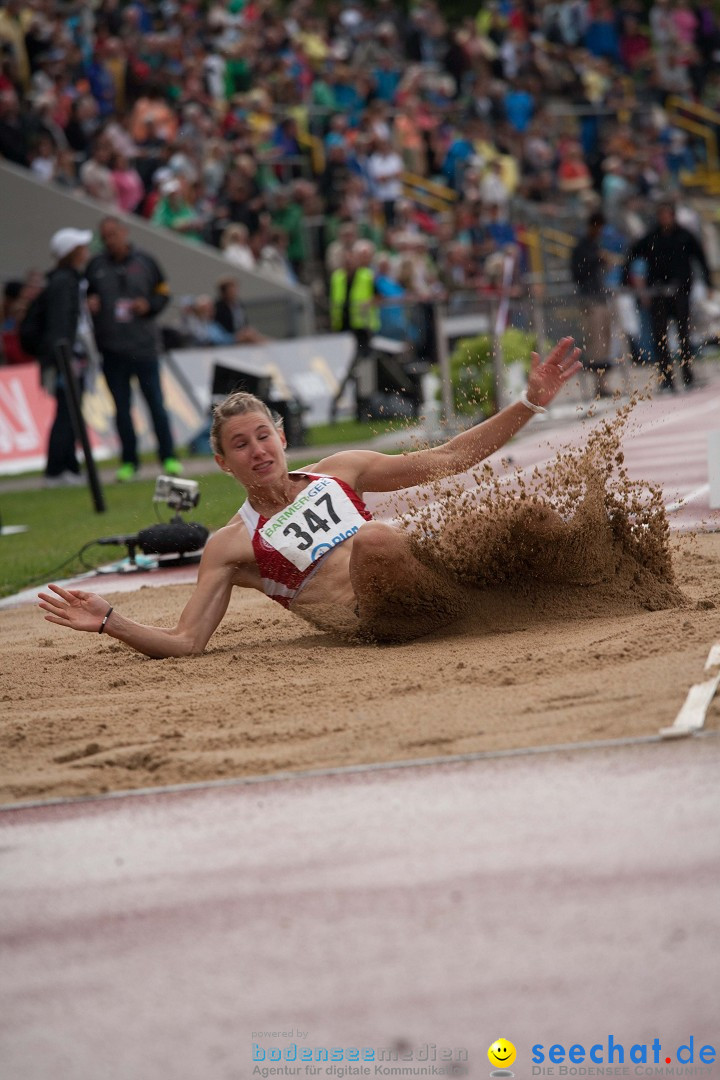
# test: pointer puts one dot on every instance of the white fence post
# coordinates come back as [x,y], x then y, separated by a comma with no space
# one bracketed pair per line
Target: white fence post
[443,359]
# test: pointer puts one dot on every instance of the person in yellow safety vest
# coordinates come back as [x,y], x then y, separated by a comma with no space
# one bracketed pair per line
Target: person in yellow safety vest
[352,294]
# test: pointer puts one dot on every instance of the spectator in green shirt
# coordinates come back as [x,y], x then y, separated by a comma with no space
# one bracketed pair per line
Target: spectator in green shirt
[174,212]
[288,216]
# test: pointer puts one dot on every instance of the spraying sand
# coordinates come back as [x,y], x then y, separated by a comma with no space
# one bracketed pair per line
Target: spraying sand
[579,522]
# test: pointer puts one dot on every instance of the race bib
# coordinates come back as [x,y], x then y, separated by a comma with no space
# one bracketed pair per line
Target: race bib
[319,519]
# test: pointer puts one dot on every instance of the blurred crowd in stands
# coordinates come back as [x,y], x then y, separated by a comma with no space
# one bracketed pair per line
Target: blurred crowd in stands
[281,133]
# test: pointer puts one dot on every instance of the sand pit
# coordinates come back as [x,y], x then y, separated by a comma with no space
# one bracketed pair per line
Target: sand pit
[81,715]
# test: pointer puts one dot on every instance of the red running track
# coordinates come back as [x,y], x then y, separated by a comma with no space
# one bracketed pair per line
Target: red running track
[558,897]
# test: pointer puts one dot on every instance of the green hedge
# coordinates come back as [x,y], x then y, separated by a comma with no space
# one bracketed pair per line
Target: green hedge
[471,368]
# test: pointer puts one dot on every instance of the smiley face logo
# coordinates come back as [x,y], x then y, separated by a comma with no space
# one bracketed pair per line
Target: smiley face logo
[502,1054]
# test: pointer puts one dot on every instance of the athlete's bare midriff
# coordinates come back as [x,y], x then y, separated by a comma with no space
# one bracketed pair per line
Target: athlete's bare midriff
[330,584]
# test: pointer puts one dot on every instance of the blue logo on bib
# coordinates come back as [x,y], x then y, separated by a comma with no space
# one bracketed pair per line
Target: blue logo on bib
[322,549]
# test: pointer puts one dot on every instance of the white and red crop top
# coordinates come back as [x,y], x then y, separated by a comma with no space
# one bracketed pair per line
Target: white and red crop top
[289,546]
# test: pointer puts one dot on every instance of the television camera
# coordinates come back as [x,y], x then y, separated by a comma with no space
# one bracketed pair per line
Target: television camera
[167,543]
[178,494]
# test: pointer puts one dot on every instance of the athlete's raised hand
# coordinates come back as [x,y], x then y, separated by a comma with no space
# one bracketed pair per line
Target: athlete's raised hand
[547,377]
[74,608]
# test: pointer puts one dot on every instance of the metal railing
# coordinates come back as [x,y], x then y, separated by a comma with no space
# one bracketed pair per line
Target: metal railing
[317,150]
[704,123]
[427,192]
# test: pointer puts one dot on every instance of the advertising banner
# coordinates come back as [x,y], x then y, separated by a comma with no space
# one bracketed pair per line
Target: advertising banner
[27,412]
[310,369]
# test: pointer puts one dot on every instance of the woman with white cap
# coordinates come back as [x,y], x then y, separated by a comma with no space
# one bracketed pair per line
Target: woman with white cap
[65,319]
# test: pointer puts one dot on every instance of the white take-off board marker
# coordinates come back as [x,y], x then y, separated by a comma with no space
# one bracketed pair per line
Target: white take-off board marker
[692,715]
[714,468]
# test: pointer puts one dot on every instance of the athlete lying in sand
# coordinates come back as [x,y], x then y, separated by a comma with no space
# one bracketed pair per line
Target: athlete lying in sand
[306,539]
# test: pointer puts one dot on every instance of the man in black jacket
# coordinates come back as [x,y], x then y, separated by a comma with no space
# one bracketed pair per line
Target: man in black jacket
[65,319]
[670,252]
[589,264]
[126,290]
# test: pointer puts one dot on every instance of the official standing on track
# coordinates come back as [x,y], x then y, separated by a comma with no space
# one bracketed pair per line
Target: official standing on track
[588,265]
[126,291]
[670,252]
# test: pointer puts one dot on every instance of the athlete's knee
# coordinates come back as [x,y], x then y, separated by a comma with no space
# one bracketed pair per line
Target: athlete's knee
[376,540]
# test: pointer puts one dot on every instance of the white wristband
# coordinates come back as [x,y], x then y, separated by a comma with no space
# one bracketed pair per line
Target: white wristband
[525,400]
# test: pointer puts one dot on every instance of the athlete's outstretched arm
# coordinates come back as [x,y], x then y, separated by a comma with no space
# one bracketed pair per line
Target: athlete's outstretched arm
[382,472]
[201,616]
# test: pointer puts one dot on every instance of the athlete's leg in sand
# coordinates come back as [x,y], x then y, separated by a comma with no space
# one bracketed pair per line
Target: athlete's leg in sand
[393,587]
